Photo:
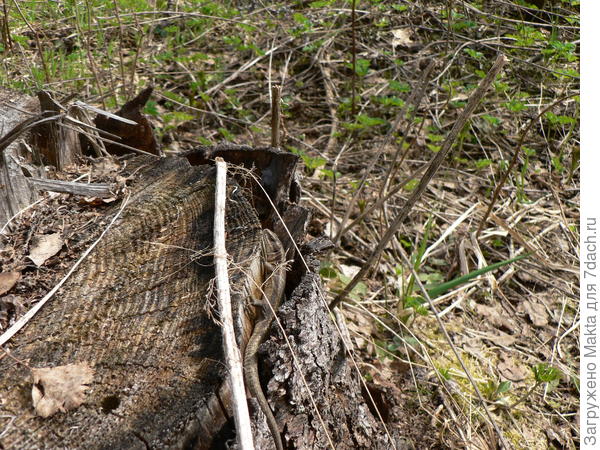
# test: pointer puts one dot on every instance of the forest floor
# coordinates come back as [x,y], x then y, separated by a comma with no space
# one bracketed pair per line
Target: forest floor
[367,103]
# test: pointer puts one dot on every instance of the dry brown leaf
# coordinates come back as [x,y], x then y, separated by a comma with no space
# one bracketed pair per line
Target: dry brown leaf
[495,316]
[502,338]
[44,247]
[59,388]
[536,312]
[105,167]
[511,370]
[8,280]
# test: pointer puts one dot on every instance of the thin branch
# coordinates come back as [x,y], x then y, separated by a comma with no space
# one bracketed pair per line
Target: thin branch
[231,350]
[514,160]
[431,171]
[275,115]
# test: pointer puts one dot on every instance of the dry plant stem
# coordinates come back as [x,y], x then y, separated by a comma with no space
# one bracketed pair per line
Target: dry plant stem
[431,171]
[121,64]
[38,44]
[414,99]
[514,160]
[382,200]
[275,116]
[330,97]
[33,311]
[138,50]
[246,66]
[231,350]
[435,311]
[88,50]
[353,60]
[6,39]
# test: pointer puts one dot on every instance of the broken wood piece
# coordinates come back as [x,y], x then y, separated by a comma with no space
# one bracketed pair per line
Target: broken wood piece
[100,190]
[59,146]
[16,193]
[135,132]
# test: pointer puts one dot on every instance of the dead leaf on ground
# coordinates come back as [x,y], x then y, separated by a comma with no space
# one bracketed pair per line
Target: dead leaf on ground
[537,313]
[8,280]
[402,37]
[44,247]
[495,316]
[59,388]
[105,167]
[512,370]
[502,338]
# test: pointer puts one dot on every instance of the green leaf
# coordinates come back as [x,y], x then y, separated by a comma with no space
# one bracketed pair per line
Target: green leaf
[545,374]
[327,270]
[321,4]
[150,108]
[362,67]
[474,54]
[390,101]
[482,163]
[514,105]
[437,290]
[503,387]
[226,134]
[494,121]
[368,121]
[398,86]
[411,185]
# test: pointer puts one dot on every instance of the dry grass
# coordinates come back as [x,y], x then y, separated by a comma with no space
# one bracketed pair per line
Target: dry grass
[213,66]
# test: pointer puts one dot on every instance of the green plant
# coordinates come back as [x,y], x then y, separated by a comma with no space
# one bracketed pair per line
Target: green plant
[493,390]
[543,374]
[362,67]
[336,281]
[310,162]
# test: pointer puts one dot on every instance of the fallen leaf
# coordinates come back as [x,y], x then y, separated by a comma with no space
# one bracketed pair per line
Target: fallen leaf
[349,271]
[402,37]
[59,388]
[512,371]
[105,167]
[8,280]
[503,339]
[495,316]
[44,247]
[536,312]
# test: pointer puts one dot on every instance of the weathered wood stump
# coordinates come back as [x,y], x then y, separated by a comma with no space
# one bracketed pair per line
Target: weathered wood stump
[138,310]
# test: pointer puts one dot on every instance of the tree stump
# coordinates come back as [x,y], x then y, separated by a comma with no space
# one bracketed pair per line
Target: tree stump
[138,311]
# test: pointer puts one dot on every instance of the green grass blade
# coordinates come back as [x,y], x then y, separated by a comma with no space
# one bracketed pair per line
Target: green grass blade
[438,289]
